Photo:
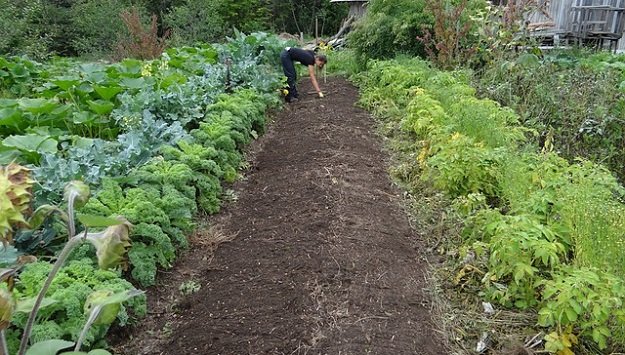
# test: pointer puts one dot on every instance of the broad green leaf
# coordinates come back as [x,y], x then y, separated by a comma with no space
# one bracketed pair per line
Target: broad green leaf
[19,70]
[604,330]
[111,244]
[570,314]
[98,221]
[8,256]
[545,317]
[107,92]
[65,83]
[599,338]
[7,155]
[99,352]
[171,79]
[32,143]
[101,107]
[91,68]
[130,66]
[84,89]
[133,83]
[8,102]
[83,117]
[93,72]
[575,305]
[41,213]
[176,63]
[528,60]
[82,142]
[10,116]
[26,305]
[61,109]
[37,106]
[108,304]
[49,347]
[47,131]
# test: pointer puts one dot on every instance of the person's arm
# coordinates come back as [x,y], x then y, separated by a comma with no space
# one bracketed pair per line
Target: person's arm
[311,71]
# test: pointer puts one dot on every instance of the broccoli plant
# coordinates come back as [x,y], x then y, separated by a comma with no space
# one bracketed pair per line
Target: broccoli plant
[111,246]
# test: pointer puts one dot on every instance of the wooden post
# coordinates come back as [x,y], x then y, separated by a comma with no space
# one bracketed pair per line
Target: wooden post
[316,30]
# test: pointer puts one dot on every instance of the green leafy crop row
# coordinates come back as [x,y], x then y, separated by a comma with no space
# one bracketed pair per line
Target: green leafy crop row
[70,120]
[160,197]
[548,234]
[168,133]
[573,100]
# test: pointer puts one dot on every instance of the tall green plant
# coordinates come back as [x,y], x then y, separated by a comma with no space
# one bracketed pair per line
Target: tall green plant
[96,26]
[111,246]
[390,28]
[578,110]
[195,21]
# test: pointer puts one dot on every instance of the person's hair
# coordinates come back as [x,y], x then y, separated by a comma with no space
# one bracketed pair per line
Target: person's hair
[323,58]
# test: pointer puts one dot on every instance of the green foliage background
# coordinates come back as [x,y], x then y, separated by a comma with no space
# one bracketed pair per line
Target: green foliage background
[41,29]
[391,27]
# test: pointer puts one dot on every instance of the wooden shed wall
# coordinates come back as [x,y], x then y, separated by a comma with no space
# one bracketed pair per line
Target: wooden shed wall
[559,11]
[357,9]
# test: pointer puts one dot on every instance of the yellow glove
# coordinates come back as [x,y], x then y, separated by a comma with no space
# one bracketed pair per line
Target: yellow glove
[320,94]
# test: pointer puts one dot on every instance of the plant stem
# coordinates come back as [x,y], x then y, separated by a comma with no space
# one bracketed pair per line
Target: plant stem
[69,246]
[95,312]
[70,214]
[3,343]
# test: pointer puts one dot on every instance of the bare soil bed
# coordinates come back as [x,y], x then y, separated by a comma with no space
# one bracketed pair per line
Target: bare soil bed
[317,255]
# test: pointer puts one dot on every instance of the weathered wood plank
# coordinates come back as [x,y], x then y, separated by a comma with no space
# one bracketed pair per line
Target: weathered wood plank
[597,16]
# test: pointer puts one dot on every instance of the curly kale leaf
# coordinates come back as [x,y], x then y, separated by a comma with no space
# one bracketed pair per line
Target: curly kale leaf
[141,206]
[154,237]
[179,207]
[210,189]
[143,261]
[177,236]
[74,282]
[136,204]
[161,172]
[196,156]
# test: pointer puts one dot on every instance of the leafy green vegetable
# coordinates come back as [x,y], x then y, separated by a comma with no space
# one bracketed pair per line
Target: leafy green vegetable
[67,295]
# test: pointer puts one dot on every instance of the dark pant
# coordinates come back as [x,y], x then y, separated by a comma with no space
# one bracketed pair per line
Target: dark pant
[290,73]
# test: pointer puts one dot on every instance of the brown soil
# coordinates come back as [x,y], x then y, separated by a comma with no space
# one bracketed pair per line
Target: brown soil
[324,260]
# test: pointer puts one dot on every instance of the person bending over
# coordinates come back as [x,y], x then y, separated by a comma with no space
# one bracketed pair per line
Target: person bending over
[290,55]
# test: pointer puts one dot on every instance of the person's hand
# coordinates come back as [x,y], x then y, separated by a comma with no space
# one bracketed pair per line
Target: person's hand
[320,94]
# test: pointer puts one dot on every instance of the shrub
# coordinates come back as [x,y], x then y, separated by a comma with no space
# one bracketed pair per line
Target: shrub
[522,252]
[96,25]
[548,232]
[585,301]
[390,28]
[460,165]
[576,109]
[195,21]
[26,29]
[141,42]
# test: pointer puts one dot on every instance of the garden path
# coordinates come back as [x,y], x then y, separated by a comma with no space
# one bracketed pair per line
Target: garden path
[322,257]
